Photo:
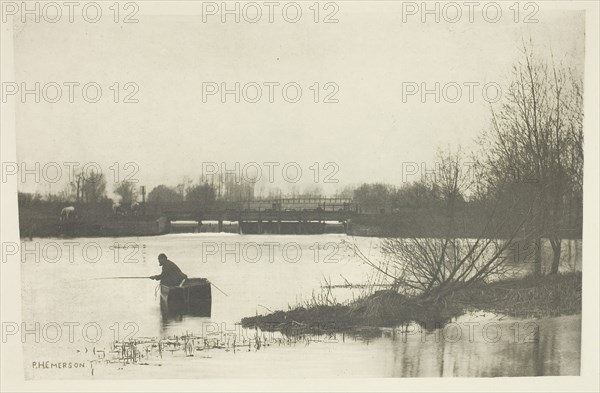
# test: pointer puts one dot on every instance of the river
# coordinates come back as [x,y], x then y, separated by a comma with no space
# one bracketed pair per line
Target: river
[73,314]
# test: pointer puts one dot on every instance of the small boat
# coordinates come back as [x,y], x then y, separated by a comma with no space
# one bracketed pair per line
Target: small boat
[192,297]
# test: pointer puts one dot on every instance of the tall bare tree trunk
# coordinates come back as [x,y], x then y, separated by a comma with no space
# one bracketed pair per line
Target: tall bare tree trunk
[556,250]
[537,263]
[539,220]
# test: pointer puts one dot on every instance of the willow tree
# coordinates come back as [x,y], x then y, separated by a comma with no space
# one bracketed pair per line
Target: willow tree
[467,244]
[535,146]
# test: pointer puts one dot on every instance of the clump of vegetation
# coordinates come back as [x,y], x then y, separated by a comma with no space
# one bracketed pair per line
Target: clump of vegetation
[530,296]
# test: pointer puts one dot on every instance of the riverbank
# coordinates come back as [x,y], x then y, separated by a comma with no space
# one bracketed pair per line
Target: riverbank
[35,225]
[38,218]
[527,297]
[98,220]
[469,222]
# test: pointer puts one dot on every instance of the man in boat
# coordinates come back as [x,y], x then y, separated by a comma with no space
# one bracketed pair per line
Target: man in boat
[171,275]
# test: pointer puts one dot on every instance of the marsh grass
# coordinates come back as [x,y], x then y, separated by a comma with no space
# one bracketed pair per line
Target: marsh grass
[529,296]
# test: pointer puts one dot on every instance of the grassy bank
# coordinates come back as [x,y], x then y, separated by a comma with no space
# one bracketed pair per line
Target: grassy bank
[530,296]
[469,222]
[42,219]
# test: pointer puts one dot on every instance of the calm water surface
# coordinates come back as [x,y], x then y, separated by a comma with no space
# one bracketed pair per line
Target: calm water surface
[65,292]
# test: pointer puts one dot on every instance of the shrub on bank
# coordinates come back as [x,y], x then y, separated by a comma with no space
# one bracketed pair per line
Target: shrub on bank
[530,296]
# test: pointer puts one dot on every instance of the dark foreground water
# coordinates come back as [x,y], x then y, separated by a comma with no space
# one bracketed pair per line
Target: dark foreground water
[73,316]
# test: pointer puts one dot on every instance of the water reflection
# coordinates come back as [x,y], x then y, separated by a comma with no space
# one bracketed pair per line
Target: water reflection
[65,291]
[521,255]
[473,346]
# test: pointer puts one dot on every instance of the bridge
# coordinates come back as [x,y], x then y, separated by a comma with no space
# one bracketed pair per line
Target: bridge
[258,215]
[259,221]
[292,215]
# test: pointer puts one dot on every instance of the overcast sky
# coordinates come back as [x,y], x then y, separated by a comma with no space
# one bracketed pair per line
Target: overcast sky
[368,54]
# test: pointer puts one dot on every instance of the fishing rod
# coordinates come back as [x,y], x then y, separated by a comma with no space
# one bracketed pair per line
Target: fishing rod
[216,287]
[121,278]
[144,277]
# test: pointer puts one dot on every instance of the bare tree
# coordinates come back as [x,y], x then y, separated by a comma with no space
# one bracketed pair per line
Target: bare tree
[77,186]
[434,266]
[536,145]
[454,177]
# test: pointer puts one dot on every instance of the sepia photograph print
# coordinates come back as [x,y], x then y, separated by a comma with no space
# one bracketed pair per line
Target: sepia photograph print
[299,195]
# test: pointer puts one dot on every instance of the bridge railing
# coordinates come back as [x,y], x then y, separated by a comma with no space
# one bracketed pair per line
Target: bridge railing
[260,215]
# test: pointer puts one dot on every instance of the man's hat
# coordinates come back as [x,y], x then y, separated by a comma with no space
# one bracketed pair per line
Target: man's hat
[162,256]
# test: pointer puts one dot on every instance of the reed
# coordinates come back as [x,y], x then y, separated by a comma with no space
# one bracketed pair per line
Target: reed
[531,296]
